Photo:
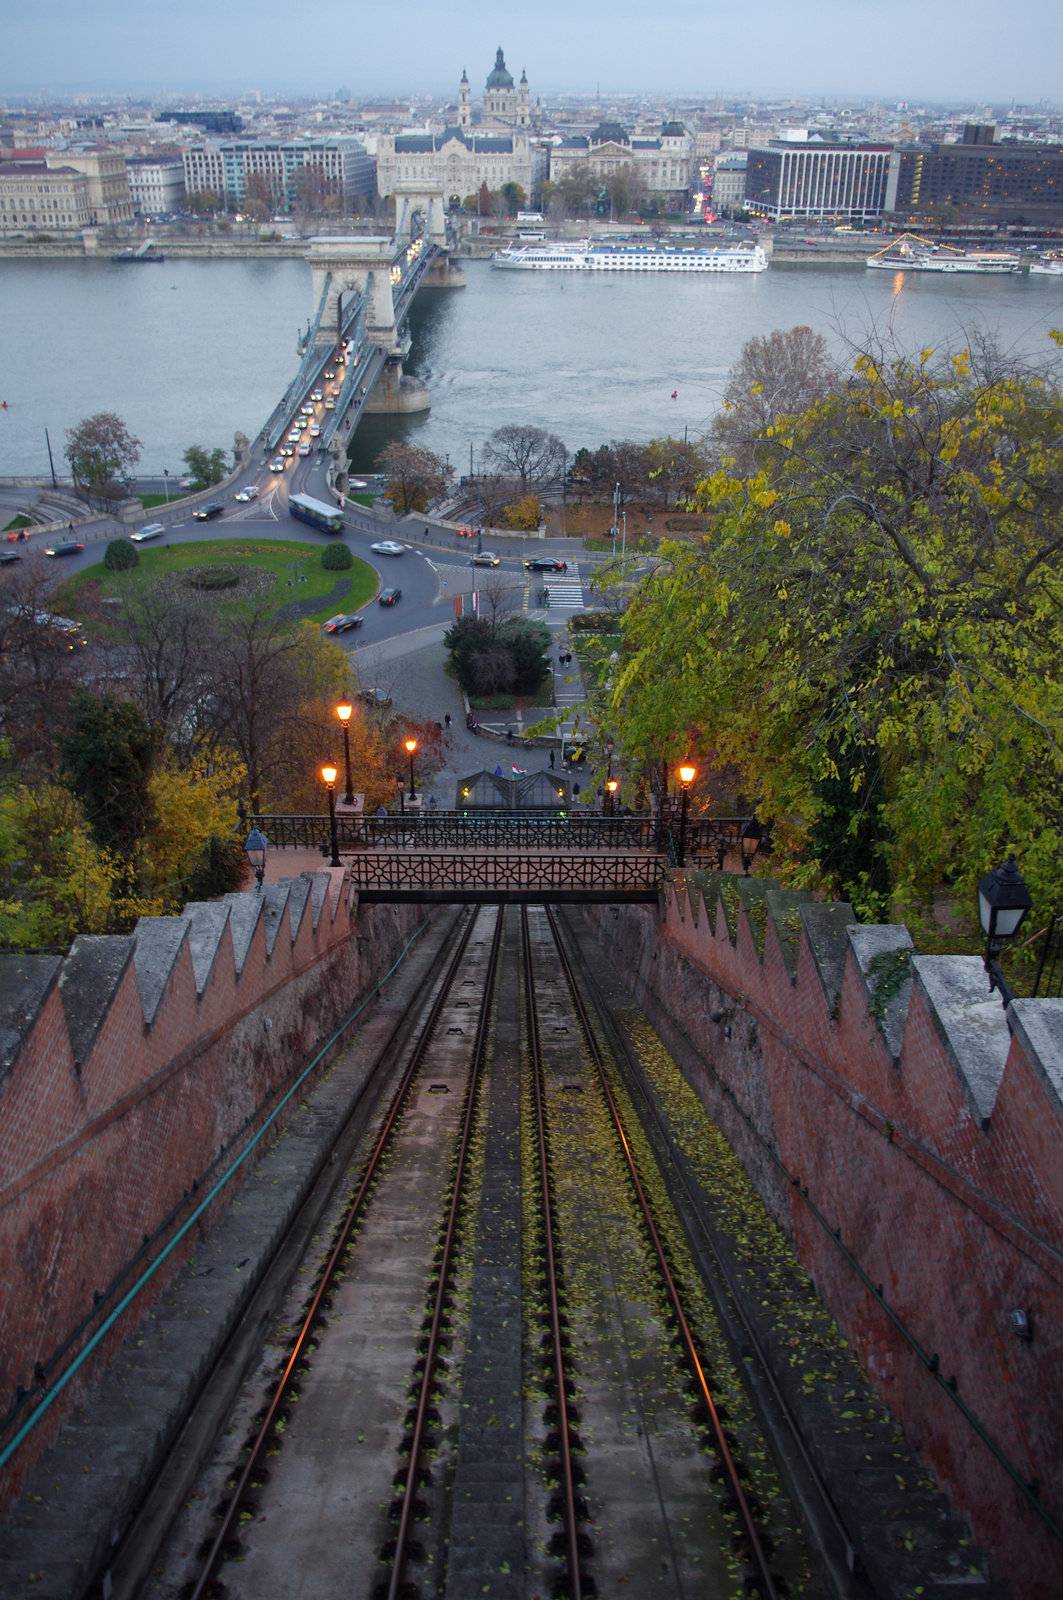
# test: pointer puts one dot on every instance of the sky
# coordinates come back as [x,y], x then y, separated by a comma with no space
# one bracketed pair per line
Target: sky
[954,51]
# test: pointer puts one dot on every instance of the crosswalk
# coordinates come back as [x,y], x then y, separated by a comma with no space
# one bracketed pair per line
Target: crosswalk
[566,590]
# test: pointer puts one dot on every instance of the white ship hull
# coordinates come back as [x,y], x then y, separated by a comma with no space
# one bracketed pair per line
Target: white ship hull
[588,258]
[1046,269]
[950,264]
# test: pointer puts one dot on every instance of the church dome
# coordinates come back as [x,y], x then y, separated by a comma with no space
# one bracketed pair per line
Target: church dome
[500,78]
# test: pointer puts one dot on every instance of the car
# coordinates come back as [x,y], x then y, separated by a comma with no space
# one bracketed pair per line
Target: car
[545,564]
[208,513]
[330,374]
[286,450]
[65,547]
[388,547]
[278,464]
[388,597]
[304,449]
[357,483]
[375,697]
[486,558]
[307,411]
[315,431]
[340,623]
[295,435]
[153,530]
[248,492]
[9,557]
[330,405]
[315,394]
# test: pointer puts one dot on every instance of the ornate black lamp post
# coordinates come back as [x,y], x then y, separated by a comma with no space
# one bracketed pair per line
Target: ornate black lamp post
[401,781]
[255,851]
[749,842]
[686,778]
[344,713]
[328,774]
[611,788]
[1003,902]
[411,746]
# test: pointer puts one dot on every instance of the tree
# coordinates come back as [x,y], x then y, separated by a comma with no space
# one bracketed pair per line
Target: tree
[168,641]
[100,448]
[55,881]
[205,467]
[775,376]
[40,666]
[483,200]
[536,458]
[108,752]
[872,633]
[514,195]
[525,513]
[415,476]
[203,201]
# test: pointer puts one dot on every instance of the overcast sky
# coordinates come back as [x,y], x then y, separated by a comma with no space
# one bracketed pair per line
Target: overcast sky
[944,50]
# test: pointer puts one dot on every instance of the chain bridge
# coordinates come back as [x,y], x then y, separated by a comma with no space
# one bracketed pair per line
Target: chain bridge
[363,287]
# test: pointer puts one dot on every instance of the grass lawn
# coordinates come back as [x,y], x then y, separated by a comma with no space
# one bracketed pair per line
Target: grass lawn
[274,555]
[150,501]
[18,522]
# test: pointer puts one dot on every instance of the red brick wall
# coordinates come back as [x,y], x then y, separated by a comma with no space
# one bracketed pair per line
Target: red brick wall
[92,1159]
[958,1216]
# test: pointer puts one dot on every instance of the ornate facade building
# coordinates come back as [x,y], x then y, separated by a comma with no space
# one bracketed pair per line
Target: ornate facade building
[497,149]
[664,162]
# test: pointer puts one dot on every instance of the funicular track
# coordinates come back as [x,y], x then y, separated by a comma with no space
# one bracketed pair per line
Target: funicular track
[389,1539]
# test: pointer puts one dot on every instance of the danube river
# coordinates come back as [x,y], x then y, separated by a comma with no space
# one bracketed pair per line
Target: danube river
[189,352]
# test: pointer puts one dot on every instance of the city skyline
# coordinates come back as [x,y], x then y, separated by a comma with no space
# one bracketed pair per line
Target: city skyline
[951,53]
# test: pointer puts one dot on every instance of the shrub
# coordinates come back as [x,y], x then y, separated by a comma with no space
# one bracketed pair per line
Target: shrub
[120,556]
[336,557]
[222,869]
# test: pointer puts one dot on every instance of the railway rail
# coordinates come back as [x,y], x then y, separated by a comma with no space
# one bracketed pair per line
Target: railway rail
[377,1356]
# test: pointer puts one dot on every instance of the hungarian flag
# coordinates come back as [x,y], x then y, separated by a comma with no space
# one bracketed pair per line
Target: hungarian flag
[520,772]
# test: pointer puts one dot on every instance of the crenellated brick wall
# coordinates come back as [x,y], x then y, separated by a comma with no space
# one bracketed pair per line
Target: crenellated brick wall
[128,1067]
[932,1144]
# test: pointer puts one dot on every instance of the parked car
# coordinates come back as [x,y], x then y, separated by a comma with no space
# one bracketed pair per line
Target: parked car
[388,597]
[341,623]
[388,547]
[208,513]
[249,492]
[375,697]
[486,558]
[65,547]
[153,530]
[545,564]
[9,557]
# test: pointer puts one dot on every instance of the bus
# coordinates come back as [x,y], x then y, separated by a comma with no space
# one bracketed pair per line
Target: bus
[328,518]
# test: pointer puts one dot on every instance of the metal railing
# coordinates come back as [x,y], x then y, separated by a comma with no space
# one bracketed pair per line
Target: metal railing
[708,839]
[1048,985]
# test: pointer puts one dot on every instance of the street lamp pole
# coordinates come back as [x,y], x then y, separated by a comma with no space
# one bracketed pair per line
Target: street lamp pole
[686,776]
[344,713]
[328,773]
[411,746]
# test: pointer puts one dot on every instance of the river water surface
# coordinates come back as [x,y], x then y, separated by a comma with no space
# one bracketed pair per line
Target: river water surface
[189,352]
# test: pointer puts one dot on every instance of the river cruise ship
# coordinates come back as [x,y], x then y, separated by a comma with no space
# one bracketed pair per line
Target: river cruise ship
[912,254]
[628,256]
[1047,267]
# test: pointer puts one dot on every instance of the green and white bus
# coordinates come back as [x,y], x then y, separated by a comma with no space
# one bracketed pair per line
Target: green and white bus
[328,518]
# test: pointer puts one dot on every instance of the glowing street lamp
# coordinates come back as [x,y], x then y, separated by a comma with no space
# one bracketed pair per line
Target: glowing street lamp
[612,786]
[687,775]
[328,776]
[344,713]
[411,746]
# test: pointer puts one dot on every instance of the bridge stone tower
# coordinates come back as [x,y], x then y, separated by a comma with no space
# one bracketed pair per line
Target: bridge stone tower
[363,263]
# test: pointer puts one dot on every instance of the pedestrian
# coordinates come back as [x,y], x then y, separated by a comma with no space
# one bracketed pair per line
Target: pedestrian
[575,791]
[509,735]
[551,760]
[426,533]
[546,598]
[446,719]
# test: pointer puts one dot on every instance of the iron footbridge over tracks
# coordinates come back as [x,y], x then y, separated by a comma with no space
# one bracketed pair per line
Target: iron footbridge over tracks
[461,859]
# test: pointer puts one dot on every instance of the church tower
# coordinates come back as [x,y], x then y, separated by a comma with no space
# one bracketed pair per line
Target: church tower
[464,102]
[500,95]
[523,102]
